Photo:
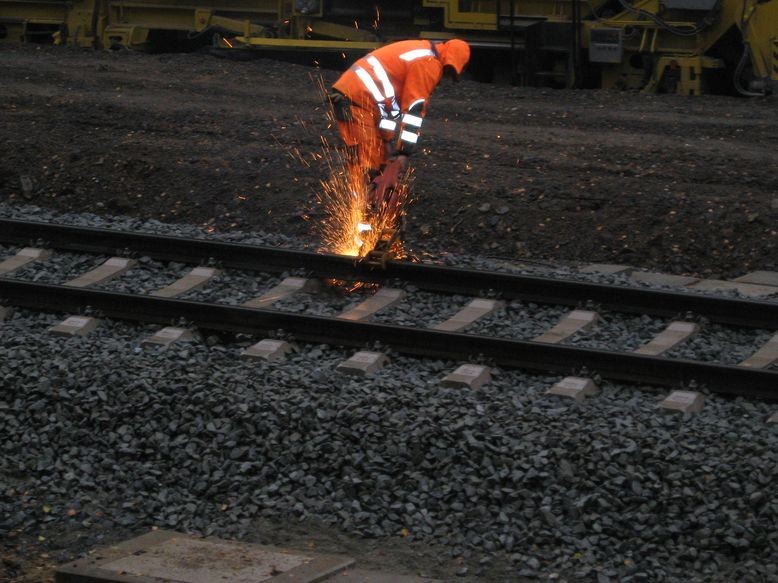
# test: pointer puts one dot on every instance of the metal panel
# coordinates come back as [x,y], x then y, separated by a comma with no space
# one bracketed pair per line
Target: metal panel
[605,45]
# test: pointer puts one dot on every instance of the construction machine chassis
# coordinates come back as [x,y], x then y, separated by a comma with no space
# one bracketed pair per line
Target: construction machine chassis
[688,47]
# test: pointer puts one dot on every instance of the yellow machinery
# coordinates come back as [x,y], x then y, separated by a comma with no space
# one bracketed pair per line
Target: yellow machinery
[683,46]
[140,24]
[673,44]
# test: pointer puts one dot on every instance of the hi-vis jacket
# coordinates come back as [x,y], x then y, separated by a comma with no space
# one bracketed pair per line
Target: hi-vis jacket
[395,82]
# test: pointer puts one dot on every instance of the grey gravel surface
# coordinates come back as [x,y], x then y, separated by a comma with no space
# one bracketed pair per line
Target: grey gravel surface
[59,268]
[234,287]
[517,485]
[194,438]
[146,276]
[420,308]
[619,331]
[721,344]
[520,320]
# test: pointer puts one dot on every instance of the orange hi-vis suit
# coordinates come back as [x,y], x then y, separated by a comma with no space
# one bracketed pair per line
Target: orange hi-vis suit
[388,91]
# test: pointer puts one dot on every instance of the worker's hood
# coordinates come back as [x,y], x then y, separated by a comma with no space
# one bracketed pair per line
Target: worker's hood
[454,52]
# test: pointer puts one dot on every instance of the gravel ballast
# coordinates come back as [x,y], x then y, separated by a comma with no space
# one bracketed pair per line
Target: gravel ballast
[99,435]
[193,438]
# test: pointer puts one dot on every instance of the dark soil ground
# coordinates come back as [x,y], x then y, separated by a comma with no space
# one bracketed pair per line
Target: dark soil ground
[674,184]
[677,184]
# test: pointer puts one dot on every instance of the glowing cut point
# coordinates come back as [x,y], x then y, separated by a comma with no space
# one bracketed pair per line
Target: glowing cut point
[362,227]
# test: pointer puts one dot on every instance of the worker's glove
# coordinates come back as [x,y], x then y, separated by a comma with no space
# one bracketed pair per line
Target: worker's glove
[341,106]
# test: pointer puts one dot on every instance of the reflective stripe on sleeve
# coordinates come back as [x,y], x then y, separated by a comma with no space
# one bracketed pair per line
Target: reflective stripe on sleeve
[416,54]
[387,124]
[379,71]
[367,80]
[409,137]
[412,120]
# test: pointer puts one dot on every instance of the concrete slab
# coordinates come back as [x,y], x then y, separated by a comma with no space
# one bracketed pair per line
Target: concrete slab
[6,312]
[747,289]
[683,401]
[112,268]
[605,268]
[193,280]
[267,349]
[671,336]
[662,278]
[472,376]
[363,363]
[168,336]
[22,258]
[765,356]
[169,557]
[75,326]
[760,278]
[577,388]
[573,323]
[365,576]
[287,287]
[478,308]
[382,299]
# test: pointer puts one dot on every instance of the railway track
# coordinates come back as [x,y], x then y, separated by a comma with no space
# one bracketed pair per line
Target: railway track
[355,329]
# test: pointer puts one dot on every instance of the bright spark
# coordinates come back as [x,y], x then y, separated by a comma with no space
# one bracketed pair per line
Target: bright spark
[345,227]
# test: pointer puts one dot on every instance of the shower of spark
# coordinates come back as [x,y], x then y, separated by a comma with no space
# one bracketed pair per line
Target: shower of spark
[346,228]
[343,229]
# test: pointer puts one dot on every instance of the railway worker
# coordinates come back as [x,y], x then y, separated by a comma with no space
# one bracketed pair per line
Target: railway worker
[380,102]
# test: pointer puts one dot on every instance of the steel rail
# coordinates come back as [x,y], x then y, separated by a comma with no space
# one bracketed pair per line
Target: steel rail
[725,379]
[739,312]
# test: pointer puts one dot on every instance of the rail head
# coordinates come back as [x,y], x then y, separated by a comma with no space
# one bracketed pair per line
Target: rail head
[619,298]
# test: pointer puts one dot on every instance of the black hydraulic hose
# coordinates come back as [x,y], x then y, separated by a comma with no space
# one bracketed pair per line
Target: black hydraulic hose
[95,18]
[514,64]
[744,57]
[575,46]
[739,73]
